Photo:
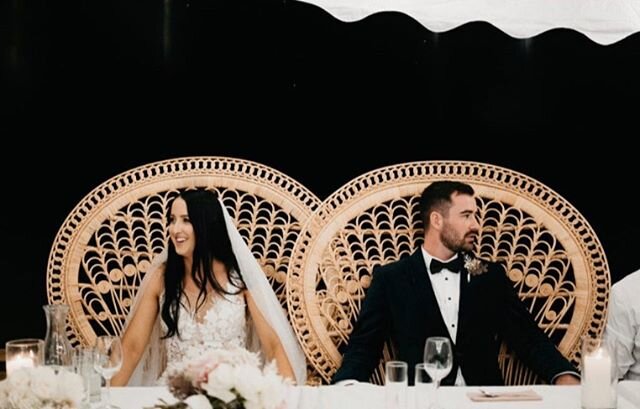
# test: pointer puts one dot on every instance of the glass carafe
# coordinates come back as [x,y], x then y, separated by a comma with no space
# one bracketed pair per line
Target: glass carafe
[57,348]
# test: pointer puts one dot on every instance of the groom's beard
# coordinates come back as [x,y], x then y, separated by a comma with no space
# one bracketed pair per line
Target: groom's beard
[454,242]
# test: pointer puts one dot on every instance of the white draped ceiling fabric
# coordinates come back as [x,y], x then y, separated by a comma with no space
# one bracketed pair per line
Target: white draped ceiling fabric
[603,21]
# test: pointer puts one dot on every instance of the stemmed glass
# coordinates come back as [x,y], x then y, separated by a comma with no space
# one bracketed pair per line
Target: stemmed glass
[108,362]
[438,361]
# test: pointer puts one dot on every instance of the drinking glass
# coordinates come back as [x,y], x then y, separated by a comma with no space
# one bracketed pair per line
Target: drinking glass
[24,353]
[84,365]
[396,382]
[438,361]
[422,387]
[108,361]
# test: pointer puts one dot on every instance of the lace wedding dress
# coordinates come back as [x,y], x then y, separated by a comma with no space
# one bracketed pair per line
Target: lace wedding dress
[220,323]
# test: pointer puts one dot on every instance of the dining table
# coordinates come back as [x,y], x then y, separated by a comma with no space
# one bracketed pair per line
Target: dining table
[370,396]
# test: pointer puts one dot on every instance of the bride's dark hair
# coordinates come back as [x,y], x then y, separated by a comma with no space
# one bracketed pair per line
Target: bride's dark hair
[211,243]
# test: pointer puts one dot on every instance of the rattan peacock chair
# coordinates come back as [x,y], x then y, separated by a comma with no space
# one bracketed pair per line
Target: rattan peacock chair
[551,254]
[105,245]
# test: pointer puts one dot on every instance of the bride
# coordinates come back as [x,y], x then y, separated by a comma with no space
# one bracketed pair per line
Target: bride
[206,291]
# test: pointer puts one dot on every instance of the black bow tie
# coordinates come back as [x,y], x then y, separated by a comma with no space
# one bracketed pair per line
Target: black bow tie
[436,266]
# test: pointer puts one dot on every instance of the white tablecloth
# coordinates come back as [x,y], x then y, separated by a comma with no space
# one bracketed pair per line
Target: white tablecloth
[367,396]
[603,21]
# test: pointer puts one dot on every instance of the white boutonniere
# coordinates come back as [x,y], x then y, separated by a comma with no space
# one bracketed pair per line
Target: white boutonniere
[475,266]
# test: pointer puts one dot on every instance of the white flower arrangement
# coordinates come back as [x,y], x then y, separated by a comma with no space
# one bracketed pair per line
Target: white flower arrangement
[41,387]
[226,379]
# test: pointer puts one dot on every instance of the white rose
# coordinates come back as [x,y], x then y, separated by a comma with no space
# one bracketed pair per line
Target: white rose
[220,382]
[25,401]
[221,377]
[273,391]
[44,383]
[71,387]
[198,402]
[248,381]
[20,381]
[18,390]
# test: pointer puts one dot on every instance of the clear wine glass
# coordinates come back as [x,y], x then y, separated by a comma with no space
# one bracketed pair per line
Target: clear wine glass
[108,362]
[438,361]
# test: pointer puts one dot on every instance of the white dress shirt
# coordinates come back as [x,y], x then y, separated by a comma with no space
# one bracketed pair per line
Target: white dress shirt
[623,325]
[446,287]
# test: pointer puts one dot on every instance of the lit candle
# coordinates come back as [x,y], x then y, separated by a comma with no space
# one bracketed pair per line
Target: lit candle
[19,361]
[596,383]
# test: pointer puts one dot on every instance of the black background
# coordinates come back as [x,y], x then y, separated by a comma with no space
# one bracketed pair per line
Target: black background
[108,86]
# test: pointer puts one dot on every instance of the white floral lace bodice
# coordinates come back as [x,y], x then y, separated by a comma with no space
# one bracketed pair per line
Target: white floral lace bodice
[219,324]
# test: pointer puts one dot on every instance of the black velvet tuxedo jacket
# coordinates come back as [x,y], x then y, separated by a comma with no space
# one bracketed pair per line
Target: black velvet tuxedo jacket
[401,306]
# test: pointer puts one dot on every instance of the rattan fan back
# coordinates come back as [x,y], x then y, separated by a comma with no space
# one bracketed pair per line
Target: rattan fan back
[105,245]
[552,255]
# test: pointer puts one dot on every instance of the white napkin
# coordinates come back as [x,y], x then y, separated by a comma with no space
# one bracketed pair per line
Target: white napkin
[489,396]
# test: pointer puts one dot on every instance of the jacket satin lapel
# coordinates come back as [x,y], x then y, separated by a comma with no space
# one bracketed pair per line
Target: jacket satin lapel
[463,303]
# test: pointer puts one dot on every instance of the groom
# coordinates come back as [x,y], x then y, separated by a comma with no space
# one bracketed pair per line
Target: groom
[442,290]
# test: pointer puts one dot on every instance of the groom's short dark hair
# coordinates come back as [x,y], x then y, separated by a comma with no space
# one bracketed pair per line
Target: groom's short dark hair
[437,196]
